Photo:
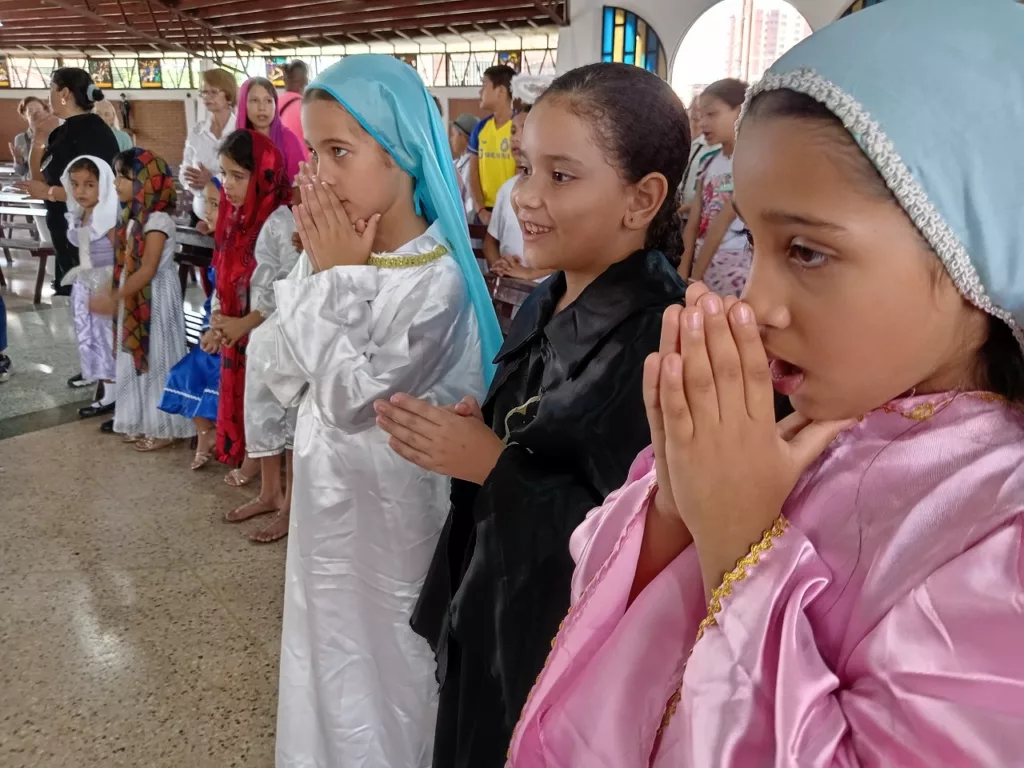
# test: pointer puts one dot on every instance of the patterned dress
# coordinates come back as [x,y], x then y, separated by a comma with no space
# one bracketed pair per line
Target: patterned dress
[730,266]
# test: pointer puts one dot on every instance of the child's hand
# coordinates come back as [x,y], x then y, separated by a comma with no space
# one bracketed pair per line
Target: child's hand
[210,342]
[729,466]
[510,268]
[664,502]
[468,407]
[229,329]
[328,236]
[104,303]
[453,444]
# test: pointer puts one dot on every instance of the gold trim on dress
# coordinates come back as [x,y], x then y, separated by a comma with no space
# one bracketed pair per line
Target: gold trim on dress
[925,411]
[739,573]
[404,262]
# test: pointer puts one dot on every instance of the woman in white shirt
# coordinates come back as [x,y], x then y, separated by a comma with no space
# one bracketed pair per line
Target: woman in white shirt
[199,163]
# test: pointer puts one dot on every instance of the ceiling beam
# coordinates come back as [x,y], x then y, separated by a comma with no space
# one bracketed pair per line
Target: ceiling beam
[409,18]
[368,11]
[550,11]
[194,18]
[66,14]
[69,6]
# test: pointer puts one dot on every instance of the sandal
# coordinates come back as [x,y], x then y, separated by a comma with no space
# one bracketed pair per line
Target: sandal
[272,531]
[147,444]
[236,478]
[132,438]
[202,458]
[250,509]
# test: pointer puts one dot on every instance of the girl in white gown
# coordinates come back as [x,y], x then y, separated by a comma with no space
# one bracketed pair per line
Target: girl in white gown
[396,303]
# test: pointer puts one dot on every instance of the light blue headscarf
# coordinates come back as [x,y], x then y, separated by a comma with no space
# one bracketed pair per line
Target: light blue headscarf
[933,92]
[391,103]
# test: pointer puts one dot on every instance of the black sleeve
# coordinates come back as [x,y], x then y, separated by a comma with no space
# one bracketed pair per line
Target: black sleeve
[60,151]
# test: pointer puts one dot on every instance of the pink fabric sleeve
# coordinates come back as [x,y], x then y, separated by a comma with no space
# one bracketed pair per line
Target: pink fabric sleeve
[938,681]
[593,540]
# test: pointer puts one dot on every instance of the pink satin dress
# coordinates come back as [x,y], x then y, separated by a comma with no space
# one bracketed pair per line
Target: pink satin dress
[879,623]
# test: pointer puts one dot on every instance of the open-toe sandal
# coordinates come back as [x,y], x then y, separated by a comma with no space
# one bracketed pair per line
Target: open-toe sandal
[236,478]
[202,458]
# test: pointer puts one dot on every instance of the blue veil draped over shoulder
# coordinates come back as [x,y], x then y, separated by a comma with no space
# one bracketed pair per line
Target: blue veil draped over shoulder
[391,103]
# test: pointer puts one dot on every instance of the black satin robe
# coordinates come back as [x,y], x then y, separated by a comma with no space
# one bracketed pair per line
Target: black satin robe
[567,400]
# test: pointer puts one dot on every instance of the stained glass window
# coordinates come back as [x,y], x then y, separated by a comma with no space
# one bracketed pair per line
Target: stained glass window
[628,39]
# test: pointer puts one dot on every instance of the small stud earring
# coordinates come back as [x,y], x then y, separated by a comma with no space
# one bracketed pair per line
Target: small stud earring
[63,101]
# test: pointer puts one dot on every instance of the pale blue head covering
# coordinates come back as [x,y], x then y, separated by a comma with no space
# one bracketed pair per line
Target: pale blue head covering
[933,92]
[391,103]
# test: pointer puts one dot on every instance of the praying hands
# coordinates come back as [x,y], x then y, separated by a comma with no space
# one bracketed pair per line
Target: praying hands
[452,441]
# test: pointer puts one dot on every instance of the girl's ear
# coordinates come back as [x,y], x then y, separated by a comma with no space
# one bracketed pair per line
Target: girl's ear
[648,195]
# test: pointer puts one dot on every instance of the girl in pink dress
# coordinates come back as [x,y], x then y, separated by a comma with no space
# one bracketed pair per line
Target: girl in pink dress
[844,588]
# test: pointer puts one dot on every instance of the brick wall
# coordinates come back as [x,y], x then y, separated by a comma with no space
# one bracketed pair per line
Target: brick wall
[157,125]
[458,107]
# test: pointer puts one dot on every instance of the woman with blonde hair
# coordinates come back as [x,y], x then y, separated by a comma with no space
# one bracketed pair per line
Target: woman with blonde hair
[199,163]
[107,111]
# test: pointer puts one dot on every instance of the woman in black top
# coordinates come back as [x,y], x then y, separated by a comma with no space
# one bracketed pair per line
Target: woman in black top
[72,96]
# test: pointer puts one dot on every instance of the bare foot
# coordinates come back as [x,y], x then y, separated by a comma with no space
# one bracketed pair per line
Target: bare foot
[251,509]
[276,529]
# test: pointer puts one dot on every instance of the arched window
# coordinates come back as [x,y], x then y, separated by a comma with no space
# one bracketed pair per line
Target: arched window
[628,39]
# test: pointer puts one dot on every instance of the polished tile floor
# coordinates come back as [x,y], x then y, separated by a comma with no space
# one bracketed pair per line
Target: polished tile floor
[41,341]
[136,628]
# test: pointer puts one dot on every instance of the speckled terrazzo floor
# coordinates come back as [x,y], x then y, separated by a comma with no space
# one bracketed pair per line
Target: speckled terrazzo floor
[136,628]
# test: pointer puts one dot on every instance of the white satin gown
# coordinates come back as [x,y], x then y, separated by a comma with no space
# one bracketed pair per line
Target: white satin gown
[357,686]
[269,425]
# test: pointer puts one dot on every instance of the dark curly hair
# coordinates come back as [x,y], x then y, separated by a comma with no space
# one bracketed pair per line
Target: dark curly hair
[642,126]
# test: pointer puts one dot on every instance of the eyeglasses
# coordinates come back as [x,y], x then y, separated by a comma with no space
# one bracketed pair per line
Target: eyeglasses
[210,92]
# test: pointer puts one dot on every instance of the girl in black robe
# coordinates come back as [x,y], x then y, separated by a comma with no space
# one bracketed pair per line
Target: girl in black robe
[565,416]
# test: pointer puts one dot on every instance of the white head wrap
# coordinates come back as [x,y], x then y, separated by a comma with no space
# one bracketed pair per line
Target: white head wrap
[529,88]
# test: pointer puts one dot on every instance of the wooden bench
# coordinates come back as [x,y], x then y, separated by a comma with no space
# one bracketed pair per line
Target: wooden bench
[508,295]
[193,251]
[39,251]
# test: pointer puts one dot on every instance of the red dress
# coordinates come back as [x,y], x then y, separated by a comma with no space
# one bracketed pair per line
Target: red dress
[234,262]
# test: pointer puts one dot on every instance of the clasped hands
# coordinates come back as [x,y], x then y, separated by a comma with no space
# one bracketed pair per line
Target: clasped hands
[723,465]
[452,440]
[509,266]
[227,331]
[329,235]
